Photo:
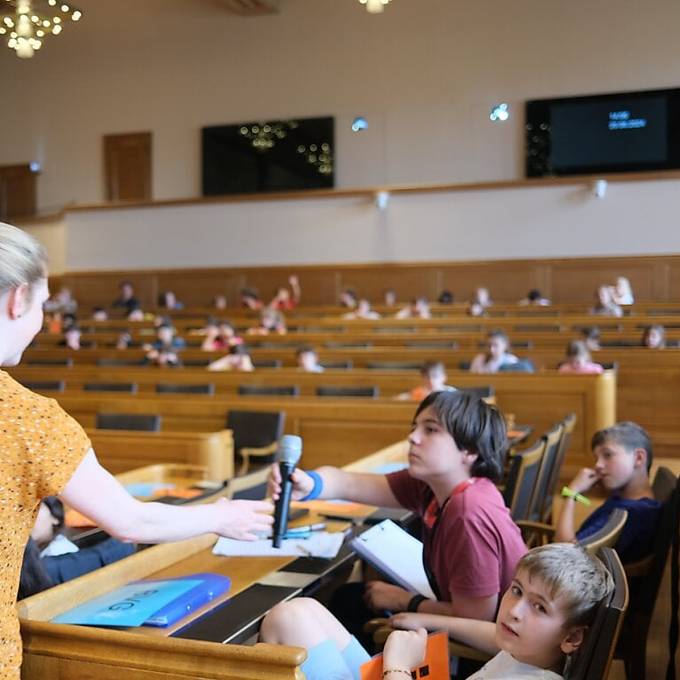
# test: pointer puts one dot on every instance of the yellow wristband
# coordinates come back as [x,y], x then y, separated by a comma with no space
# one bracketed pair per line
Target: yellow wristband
[570,493]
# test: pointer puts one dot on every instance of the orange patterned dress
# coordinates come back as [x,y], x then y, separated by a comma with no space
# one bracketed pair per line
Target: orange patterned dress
[41,448]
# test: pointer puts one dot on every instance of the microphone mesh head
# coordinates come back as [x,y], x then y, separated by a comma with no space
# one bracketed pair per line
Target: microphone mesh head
[290,449]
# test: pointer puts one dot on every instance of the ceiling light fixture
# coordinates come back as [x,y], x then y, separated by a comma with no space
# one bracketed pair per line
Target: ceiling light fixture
[375,6]
[26,23]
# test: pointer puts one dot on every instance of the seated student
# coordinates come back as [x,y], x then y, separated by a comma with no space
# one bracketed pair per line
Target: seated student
[543,618]
[591,338]
[418,309]
[445,298]
[390,297]
[135,314]
[308,360]
[126,299]
[471,545]
[219,301]
[220,335]
[285,299]
[238,359]
[61,302]
[168,300]
[164,350]
[496,357]
[481,301]
[622,292]
[579,360]
[99,314]
[363,311]
[623,457]
[534,299]
[71,338]
[433,379]
[56,556]
[654,337]
[604,303]
[124,339]
[250,299]
[271,321]
[348,298]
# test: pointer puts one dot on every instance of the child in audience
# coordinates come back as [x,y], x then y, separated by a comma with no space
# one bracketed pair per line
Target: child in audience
[135,314]
[99,314]
[363,311]
[238,359]
[579,360]
[164,351]
[433,379]
[418,309]
[271,321]
[250,299]
[348,298]
[126,298]
[445,298]
[471,545]
[168,300]
[591,338]
[71,338]
[604,303]
[390,297]
[543,618]
[481,301]
[623,457]
[308,360]
[124,339]
[622,292]
[534,299]
[220,302]
[285,299]
[654,337]
[220,335]
[497,355]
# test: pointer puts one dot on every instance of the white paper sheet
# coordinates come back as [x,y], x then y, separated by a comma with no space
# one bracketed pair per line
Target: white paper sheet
[319,544]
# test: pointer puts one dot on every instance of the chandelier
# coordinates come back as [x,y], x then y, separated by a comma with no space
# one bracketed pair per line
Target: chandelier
[375,6]
[320,156]
[263,136]
[26,26]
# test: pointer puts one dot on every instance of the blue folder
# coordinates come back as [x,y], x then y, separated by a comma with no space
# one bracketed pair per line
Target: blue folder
[153,602]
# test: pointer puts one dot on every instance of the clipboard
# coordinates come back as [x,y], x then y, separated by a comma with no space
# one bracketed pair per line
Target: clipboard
[434,667]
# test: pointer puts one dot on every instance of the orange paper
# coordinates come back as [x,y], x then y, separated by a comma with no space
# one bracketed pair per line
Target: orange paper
[434,667]
[335,509]
[72,518]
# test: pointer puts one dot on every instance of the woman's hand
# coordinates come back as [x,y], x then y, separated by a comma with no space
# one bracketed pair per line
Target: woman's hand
[381,596]
[302,483]
[404,650]
[243,520]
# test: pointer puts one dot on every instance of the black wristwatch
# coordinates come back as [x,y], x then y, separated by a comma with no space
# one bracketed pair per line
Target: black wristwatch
[414,603]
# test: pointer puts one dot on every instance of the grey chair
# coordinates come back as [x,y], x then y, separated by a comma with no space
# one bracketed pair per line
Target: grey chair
[51,362]
[128,421]
[267,363]
[45,385]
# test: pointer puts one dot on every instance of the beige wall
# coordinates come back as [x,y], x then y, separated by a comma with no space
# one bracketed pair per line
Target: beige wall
[424,73]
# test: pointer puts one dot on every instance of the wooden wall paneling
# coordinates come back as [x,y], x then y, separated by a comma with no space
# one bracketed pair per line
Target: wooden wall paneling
[408,281]
[662,269]
[197,289]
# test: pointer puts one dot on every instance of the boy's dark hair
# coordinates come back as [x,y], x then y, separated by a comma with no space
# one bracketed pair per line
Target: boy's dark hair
[445,297]
[591,333]
[430,366]
[475,426]
[629,435]
[125,282]
[304,349]
[534,294]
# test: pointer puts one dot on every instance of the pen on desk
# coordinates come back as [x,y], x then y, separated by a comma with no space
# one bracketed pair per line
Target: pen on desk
[306,528]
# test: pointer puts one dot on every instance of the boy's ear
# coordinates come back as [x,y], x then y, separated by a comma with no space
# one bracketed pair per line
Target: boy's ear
[573,640]
[18,300]
[640,456]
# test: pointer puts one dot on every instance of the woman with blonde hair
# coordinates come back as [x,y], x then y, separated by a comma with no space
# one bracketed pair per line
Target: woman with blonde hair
[47,453]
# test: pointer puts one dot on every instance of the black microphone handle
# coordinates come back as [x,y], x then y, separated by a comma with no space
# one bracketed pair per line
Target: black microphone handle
[283,504]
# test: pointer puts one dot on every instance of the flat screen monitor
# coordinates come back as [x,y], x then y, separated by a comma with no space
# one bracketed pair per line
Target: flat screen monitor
[620,132]
[266,156]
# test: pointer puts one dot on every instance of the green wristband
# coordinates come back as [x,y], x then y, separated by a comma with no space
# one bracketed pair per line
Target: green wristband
[570,493]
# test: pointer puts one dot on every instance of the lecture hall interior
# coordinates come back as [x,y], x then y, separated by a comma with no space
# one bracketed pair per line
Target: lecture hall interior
[311,214]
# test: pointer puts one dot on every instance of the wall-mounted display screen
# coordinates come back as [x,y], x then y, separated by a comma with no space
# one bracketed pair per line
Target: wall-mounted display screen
[629,131]
[273,155]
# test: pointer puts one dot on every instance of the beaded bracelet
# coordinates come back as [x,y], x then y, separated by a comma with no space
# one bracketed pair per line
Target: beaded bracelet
[396,670]
[317,489]
[570,493]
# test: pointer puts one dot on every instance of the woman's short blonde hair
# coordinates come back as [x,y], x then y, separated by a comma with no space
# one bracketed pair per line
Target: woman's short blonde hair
[22,258]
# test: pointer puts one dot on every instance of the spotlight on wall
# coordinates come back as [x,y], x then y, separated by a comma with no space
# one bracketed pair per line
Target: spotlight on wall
[359,124]
[382,198]
[499,112]
[34,166]
[599,188]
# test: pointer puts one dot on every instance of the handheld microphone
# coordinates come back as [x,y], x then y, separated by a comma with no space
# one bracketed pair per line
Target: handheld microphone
[288,455]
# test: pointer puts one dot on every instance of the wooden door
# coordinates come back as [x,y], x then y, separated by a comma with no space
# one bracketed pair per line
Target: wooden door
[17,191]
[127,166]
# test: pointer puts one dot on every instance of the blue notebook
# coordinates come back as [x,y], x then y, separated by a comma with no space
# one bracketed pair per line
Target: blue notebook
[152,603]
